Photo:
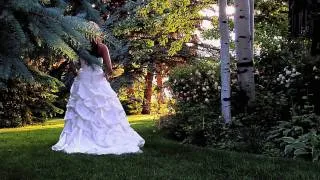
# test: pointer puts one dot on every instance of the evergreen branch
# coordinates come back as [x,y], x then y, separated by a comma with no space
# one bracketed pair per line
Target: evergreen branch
[55,43]
[15,26]
[46,80]
[13,67]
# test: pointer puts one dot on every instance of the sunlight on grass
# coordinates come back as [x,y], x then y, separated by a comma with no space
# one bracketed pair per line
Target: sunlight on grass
[59,123]
[55,123]
[136,119]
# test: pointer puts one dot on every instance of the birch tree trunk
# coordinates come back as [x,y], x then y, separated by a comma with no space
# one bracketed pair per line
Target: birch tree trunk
[252,26]
[243,40]
[224,62]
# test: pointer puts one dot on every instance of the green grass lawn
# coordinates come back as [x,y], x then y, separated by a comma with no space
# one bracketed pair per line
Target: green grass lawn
[25,154]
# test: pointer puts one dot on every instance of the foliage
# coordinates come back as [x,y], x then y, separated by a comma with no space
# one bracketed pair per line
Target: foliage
[132,102]
[293,75]
[131,98]
[249,127]
[25,103]
[287,84]
[285,119]
[298,137]
[164,108]
[286,72]
[36,36]
[140,33]
[307,145]
[27,26]
[155,31]
[195,125]
[271,24]
[195,88]
[197,83]
[198,108]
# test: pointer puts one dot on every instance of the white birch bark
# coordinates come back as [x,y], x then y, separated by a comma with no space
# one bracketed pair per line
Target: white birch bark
[243,42]
[252,26]
[224,62]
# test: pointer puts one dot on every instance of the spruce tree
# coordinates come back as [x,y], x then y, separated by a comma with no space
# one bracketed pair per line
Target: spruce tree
[27,26]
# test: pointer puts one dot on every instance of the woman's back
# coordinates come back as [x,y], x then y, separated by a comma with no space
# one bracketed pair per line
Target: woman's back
[90,72]
[96,122]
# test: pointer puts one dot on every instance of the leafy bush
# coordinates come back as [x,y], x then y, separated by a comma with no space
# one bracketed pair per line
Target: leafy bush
[306,146]
[24,103]
[132,97]
[283,122]
[195,125]
[195,104]
[249,128]
[196,92]
[298,137]
[297,88]
[164,108]
[196,83]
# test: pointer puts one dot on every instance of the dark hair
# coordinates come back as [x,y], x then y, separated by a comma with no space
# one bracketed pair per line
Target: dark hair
[94,49]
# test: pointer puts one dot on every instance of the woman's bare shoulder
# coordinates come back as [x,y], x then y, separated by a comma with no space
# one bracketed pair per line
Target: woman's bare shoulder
[102,46]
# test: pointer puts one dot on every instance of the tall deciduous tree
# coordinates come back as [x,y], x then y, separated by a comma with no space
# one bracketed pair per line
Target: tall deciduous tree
[156,32]
[146,107]
[224,61]
[159,78]
[244,55]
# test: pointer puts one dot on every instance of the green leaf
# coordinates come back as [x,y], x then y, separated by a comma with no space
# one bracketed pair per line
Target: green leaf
[298,145]
[288,149]
[298,128]
[315,154]
[286,132]
[288,139]
[301,151]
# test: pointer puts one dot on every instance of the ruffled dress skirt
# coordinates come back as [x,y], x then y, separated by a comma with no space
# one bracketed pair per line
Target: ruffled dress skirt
[95,121]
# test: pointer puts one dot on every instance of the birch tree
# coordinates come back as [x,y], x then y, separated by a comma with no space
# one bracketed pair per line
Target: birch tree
[243,22]
[252,26]
[224,61]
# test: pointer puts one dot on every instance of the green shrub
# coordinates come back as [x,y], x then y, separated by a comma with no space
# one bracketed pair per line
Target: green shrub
[162,109]
[298,137]
[196,83]
[249,129]
[24,103]
[283,122]
[196,92]
[198,125]
[305,146]
[132,101]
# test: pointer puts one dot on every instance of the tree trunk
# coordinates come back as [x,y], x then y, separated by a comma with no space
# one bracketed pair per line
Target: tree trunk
[224,62]
[252,26]
[243,41]
[147,92]
[160,84]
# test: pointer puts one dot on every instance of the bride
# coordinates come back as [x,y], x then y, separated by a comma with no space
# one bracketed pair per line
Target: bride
[95,121]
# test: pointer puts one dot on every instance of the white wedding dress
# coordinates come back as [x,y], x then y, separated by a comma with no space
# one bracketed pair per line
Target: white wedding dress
[95,121]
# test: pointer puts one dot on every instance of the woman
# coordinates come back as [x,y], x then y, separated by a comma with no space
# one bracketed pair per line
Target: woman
[95,122]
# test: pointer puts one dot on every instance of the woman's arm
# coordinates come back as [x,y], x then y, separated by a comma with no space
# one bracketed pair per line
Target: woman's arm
[104,52]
